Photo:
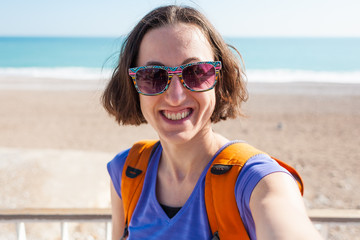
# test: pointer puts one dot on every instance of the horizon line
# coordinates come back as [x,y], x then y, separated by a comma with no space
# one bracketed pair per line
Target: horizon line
[124,35]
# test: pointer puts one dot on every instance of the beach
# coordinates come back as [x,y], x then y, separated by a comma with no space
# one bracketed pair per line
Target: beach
[56,139]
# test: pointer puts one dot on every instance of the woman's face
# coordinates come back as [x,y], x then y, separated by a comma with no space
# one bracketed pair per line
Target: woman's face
[177,115]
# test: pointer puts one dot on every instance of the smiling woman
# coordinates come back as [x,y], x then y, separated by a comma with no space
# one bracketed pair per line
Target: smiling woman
[176,73]
[175,45]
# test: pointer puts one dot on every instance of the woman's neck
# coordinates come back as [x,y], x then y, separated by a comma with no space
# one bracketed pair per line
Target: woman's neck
[182,164]
[188,159]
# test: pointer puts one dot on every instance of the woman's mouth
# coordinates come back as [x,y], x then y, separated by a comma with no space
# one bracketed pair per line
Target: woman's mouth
[175,116]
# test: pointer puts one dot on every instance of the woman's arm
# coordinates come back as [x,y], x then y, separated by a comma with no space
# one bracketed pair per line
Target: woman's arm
[278,210]
[117,210]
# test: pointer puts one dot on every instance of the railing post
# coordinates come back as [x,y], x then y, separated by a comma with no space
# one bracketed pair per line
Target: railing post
[64,231]
[323,229]
[108,231]
[20,230]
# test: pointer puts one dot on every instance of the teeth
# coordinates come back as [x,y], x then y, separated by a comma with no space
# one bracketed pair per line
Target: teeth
[176,116]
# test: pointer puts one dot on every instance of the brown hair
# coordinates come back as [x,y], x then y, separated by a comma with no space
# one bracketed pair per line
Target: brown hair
[120,97]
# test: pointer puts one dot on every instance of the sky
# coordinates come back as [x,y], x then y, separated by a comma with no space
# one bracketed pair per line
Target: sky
[232,18]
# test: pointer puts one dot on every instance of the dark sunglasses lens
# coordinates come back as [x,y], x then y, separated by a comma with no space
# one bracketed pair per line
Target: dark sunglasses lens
[151,80]
[199,77]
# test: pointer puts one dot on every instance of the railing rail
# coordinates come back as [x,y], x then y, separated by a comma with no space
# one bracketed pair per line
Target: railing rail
[321,217]
[335,215]
[324,218]
[61,215]
[56,214]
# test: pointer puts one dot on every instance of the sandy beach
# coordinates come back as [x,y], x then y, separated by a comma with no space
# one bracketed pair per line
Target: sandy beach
[55,141]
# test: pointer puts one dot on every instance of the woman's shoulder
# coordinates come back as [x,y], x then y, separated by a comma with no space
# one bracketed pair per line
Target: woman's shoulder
[115,167]
[261,159]
[117,163]
[121,156]
[259,166]
[255,169]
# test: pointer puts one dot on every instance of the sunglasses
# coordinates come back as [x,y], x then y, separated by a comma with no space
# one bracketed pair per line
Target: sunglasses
[154,80]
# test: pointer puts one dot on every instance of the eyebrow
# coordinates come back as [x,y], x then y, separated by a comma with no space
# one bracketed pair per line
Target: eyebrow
[186,61]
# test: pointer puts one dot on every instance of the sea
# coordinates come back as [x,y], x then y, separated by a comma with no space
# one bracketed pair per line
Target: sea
[266,59]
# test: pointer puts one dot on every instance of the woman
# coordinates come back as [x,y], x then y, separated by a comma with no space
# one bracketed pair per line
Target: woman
[181,103]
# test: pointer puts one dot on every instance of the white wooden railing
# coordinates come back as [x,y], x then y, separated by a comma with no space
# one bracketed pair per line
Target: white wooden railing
[63,216]
[322,218]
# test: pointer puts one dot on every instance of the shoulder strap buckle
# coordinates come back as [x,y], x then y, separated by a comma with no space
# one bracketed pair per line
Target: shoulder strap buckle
[219,169]
[132,172]
[216,236]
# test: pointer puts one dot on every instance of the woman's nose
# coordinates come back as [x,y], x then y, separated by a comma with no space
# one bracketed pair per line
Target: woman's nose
[176,92]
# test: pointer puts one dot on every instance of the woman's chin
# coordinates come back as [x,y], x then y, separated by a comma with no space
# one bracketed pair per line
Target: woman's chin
[175,138]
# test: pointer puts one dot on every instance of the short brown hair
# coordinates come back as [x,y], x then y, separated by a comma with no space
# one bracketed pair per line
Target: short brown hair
[120,97]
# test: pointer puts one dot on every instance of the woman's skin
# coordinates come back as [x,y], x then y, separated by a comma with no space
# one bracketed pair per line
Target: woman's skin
[189,142]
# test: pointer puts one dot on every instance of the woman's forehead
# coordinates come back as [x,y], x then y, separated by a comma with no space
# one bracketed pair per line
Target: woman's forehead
[172,44]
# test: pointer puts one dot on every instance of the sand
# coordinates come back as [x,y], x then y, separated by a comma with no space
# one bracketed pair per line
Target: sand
[55,141]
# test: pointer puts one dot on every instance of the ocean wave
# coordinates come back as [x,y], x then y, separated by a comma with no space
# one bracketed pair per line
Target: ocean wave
[253,75]
[74,73]
[285,75]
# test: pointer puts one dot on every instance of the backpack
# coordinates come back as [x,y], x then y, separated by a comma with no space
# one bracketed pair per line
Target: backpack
[220,183]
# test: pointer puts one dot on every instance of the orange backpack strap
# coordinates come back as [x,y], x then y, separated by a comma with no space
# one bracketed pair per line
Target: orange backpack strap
[220,183]
[133,174]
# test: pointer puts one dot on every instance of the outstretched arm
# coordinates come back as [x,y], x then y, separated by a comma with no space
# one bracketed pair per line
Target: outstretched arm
[117,211]
[278,210]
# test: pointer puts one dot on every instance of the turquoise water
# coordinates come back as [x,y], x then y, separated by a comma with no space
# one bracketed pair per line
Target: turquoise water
[266,59]
[316,54]
[56,52]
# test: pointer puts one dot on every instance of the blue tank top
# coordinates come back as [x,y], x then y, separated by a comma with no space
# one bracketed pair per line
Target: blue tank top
[149,220]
